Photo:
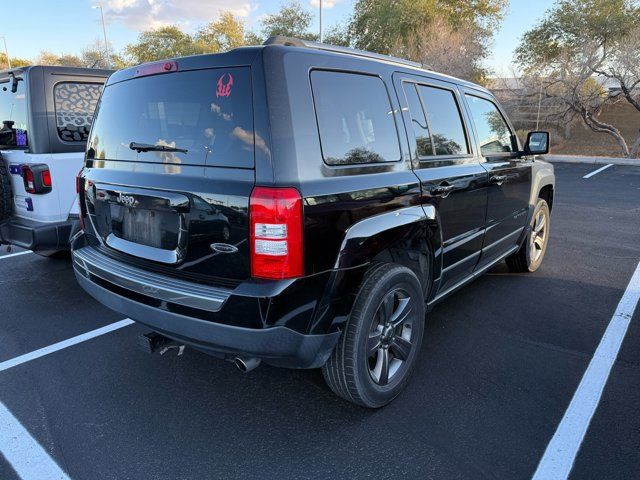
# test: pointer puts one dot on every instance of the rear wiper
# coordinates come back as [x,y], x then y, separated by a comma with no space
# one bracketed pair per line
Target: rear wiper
[146,147]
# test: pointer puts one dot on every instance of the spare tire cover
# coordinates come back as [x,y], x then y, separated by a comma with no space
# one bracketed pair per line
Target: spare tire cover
[6,198]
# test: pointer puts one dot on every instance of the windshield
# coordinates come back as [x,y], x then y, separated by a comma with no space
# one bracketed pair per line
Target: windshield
[13,107]
[204,116]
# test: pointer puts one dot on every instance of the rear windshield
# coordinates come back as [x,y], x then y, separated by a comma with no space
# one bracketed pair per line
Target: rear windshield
[208,113]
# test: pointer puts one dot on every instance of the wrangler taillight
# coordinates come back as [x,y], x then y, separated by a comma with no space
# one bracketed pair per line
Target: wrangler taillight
[36,178]
[46,178]
[276,233]
[29,181]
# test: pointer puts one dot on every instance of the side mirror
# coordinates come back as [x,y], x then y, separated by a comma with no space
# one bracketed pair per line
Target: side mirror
[537,143]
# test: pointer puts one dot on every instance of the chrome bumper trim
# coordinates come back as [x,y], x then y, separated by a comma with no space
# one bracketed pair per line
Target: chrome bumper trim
[90,262]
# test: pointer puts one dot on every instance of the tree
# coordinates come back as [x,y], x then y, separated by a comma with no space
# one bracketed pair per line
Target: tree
[15,62]
[224,34]
[65,60]
[291,21]
[381,25]
[578,41]
[94,56]
[338,35]
[571,23]
[161,43]
[440,46]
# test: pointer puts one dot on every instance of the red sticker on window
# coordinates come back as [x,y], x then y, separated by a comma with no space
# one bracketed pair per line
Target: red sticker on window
[224,87]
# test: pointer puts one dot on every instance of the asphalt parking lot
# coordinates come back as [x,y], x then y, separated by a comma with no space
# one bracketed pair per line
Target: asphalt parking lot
[500,364]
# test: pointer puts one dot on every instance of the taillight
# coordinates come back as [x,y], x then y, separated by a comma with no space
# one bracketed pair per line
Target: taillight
[46,178]
[29,181]
[36,178]
[276,233]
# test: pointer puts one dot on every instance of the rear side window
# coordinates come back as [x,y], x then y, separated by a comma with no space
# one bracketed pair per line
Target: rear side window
[355,118]
[444,120]
[493,132]
[13,108]
[75,104]
[208,113]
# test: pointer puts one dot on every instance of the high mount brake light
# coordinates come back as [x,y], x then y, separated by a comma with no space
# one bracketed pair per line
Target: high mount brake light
[155,68]
[276,233]
[36,178]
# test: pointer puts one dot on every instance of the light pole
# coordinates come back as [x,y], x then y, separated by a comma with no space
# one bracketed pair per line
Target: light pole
[6,52]
[104,33]
[320,21]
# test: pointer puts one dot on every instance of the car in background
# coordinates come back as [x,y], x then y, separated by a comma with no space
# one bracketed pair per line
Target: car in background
[46,114]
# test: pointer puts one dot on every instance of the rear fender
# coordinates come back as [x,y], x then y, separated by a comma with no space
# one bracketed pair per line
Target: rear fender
[408,236]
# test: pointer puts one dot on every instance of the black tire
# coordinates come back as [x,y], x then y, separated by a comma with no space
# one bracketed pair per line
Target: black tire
[350,371]
[54,254]
[6,197]
[530,255]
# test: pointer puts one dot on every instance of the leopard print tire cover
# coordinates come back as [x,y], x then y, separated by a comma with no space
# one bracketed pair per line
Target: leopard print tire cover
[6,198]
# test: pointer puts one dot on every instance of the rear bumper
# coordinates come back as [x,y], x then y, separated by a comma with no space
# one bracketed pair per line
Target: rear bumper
[34,235]
[127,290]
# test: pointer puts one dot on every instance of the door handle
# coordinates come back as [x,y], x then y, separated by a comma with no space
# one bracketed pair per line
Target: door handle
[498,179]
[442,190]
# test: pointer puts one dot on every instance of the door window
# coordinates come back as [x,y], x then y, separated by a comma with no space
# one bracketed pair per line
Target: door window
[494,134]
[355,118]
[436,121]
[445,122]
[418,121]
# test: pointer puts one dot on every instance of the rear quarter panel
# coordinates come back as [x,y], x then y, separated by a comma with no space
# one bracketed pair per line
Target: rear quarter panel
[51,207]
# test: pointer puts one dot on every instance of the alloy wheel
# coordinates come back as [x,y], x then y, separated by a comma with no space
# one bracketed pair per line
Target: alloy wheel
[538,235]
[390,339]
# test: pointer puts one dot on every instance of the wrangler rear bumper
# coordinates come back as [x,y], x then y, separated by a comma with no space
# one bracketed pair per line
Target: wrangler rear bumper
[34,235]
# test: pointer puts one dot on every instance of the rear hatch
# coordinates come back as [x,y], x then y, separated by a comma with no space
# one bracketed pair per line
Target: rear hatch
[170,169]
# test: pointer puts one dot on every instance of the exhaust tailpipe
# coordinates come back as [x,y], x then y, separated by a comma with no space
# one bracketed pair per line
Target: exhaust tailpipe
[246,364]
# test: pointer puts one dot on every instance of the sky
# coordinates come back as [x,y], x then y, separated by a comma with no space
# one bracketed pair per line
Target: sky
[67,26]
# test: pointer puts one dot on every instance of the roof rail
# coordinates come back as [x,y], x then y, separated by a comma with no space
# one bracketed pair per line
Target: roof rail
[297,42]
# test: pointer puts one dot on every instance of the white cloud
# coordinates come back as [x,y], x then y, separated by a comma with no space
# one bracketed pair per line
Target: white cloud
[325,3]
[145,14]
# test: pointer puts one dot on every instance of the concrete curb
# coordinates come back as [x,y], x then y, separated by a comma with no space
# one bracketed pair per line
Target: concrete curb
[592,160]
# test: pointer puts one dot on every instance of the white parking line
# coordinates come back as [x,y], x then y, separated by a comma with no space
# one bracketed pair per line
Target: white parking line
[29,460]
[27,357]
[563,448]
[15,254]
[589,175]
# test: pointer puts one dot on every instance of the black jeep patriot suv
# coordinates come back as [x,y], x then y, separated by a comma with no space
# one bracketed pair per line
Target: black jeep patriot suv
[302,205]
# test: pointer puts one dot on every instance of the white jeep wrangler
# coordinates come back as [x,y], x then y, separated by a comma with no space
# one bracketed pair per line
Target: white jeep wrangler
[45,117]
